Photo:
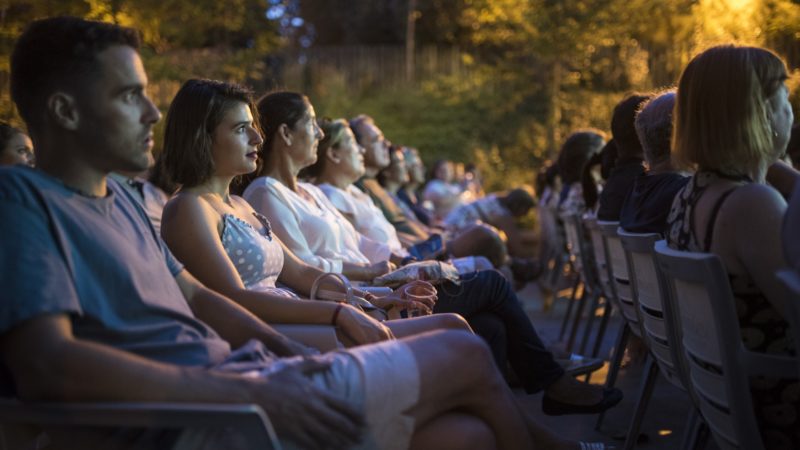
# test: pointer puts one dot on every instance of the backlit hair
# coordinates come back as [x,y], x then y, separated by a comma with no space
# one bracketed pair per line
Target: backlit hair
[721,113]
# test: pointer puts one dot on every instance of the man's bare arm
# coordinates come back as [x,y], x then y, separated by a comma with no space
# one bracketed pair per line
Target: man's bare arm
[48,363]
[230,320]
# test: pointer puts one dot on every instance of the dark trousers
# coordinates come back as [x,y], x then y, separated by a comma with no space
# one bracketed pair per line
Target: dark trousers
[491,307]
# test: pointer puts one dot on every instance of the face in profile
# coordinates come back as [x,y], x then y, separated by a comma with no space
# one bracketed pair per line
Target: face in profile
[350,155]
[444,172]
[781,118]
[304,138]
[375,146]
[117,118]
[235,142]
[18,150]
[397,171]
[415,168]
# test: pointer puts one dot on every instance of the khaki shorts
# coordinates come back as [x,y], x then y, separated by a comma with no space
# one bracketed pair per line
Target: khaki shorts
[383,381]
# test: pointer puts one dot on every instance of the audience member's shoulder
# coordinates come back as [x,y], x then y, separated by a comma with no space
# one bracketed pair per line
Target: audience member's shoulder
[23,184]
[756,197]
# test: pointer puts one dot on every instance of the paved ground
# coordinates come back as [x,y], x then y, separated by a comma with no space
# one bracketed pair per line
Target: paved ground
[663,422]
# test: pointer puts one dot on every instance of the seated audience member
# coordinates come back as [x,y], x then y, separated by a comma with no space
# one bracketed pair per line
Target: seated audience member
[227,245]
[394,177]
[441,190]
[472,183]
[407,193]
[484,298]
[480,240]
[150,196]
[339,163]
[576,152]
[591,180]
[732,120]
[499,210]
[647,205]
[97,309]
[15,146]
[628,165]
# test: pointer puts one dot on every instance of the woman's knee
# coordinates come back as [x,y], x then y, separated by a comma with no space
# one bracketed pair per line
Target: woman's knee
[452,321]
[455,431]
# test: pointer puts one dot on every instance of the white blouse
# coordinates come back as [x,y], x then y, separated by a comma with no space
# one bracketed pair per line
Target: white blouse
[369,220]
[314,231]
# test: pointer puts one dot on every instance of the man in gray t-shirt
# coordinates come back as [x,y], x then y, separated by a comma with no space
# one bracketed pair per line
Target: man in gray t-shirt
[96,309]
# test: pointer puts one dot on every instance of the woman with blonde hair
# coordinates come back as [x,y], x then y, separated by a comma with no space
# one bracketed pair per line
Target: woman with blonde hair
[732,121]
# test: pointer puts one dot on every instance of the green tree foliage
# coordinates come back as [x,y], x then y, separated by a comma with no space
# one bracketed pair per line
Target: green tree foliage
[182,39]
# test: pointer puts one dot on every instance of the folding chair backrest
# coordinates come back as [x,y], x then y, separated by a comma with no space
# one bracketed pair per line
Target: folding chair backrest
[621,278]
[718,364]
[579,249]
[601,259]
[658,320]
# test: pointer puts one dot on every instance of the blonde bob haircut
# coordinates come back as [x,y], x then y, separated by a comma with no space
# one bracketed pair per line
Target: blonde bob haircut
[722,118]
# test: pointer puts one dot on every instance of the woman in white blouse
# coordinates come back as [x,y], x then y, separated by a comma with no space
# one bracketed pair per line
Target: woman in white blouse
[343,165]
[303,217]
[299,211]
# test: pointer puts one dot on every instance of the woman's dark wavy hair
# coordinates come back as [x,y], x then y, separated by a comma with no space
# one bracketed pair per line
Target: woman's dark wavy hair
[196,111]
[272,110]
[576,152]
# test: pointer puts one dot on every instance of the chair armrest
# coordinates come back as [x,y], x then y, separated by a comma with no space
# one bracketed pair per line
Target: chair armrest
[249,420]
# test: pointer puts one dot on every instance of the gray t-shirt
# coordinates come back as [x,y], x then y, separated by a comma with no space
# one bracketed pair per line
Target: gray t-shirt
[100,261]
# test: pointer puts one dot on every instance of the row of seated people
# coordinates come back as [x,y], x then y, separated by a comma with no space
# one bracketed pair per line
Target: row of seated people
[99,309]
[704,166]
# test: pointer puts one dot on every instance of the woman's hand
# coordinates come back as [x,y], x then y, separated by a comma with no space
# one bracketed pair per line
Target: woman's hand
[381,268]
[361,328]
[394,300]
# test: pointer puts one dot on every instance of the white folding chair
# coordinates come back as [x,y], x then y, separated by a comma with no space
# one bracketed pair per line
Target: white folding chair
[719,366]
[583,260]
[20,422]
[620,284]
[658,328]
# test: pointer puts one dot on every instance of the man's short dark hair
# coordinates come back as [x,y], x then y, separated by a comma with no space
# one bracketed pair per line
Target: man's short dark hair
[57,53]
[622,128]
[357,122]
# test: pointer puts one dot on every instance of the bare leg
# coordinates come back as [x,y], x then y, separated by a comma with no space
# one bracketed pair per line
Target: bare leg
[545,437]
[479,240]
[454,431]
[457,373]
[417,325]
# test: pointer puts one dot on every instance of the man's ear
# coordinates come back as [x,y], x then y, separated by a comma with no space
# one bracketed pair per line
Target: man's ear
[63,109]
[285,134]
[332,155]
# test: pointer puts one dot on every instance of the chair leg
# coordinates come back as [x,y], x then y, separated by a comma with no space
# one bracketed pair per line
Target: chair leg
[569,310]
[589,323]
[601,332]
[695,433]
[616,361]
[648,383]
[577,320]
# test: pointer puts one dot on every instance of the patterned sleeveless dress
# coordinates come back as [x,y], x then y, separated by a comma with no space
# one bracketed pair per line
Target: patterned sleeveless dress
[763,329]
[257,257]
